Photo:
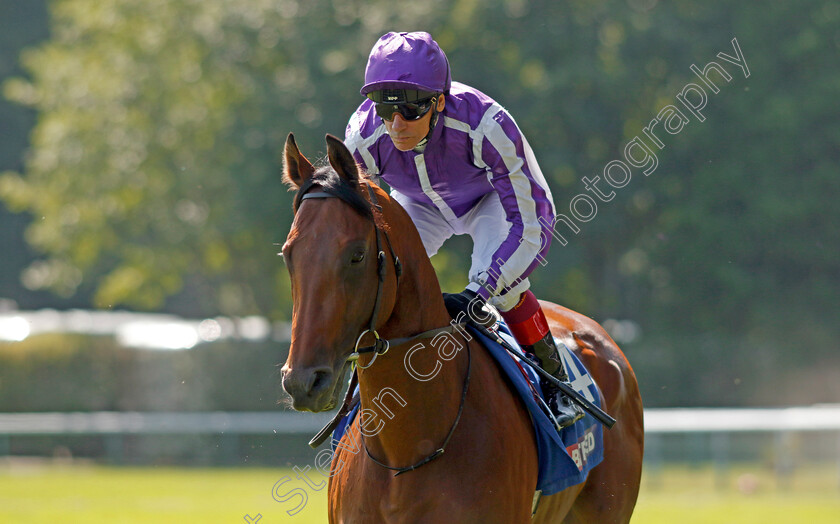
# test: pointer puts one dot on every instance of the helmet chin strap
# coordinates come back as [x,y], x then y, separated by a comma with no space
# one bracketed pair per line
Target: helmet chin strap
[421,145]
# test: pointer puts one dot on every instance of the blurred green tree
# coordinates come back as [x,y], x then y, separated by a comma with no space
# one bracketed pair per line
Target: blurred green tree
[153,170]
[155,159]
[21,24]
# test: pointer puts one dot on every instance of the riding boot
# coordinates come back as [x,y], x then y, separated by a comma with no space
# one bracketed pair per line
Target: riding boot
[566,412]
[529,326]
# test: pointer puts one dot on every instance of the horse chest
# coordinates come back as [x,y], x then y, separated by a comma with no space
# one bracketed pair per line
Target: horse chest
[387,500]
[391,508]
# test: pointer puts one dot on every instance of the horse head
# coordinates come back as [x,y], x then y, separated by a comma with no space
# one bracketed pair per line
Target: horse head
[332,258]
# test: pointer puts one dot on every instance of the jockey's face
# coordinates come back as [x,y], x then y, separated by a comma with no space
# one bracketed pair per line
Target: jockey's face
[406,134]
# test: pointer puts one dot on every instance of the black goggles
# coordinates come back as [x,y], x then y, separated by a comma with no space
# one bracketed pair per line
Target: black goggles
[407,110]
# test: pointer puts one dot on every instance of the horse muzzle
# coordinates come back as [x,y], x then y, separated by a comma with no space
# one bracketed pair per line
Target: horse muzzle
[312,389]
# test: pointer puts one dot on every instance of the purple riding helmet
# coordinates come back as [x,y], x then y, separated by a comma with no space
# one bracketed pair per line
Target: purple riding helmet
[408,62]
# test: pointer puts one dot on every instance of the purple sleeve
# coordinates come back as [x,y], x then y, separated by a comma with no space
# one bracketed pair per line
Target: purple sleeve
[527,201]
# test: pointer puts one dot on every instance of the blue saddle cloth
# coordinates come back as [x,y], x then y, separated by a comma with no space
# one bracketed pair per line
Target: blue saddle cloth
[565,458]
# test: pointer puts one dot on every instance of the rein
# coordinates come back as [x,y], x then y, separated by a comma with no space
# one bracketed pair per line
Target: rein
[442,448]
[381,345]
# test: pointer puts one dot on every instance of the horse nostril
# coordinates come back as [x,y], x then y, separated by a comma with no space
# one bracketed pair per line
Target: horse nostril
[320,380]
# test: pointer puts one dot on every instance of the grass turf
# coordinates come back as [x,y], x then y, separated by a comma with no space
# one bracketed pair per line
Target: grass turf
[38,492]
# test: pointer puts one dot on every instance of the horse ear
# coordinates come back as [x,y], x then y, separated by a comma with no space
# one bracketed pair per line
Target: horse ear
[296,168]
[341,160]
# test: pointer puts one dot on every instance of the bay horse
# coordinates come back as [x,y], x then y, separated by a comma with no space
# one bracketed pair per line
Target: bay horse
[418,397]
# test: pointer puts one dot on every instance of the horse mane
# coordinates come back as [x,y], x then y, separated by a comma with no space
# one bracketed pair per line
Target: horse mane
[331,182]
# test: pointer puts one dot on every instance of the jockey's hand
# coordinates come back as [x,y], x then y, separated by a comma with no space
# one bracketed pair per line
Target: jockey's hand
[471,305]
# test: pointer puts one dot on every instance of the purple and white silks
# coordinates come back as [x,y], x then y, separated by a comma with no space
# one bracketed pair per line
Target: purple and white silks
[475,149]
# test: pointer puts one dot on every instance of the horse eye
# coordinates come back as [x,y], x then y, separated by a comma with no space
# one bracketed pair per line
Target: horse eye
[357,257]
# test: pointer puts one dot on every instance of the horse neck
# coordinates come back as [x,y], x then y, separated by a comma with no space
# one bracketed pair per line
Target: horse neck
[430,406]
[418,304]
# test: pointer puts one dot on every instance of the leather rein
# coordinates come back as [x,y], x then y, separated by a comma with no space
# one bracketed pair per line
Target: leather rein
[380,345]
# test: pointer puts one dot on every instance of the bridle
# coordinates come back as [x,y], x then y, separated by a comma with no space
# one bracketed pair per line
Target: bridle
[380,345]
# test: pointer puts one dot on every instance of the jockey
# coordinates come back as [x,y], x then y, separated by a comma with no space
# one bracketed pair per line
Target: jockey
[458,164]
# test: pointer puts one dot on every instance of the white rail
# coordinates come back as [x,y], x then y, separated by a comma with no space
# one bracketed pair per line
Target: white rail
[663,420]
[824,417]
[160,423]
